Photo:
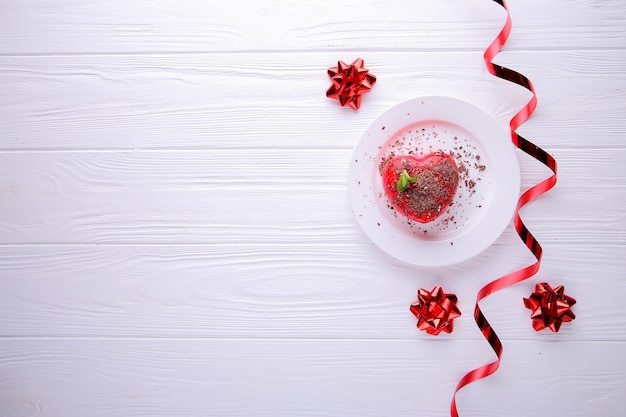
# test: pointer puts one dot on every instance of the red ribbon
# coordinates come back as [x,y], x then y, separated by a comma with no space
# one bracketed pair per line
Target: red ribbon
[529,195]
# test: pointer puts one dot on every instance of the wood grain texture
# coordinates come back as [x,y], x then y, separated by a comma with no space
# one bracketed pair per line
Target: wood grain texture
[258,100]
[175,232]
[298,195]
[195,377]
[306,290]
[67,26]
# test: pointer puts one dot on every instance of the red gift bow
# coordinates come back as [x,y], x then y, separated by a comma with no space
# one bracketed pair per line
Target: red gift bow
[529,195]
[349,82]
[550,307]
[435,310]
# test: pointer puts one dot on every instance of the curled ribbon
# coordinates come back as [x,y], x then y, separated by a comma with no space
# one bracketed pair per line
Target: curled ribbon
[529,195]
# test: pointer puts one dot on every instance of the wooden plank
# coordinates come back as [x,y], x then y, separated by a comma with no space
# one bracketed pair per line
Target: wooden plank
[265,196]
[117,26]
[256,100]
[290,290]
[321,378]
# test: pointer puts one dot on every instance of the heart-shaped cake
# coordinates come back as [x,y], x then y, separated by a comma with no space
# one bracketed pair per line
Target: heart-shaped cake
[420,188]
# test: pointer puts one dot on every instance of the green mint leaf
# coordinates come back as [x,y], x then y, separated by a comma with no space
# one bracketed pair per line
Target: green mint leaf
[405,180]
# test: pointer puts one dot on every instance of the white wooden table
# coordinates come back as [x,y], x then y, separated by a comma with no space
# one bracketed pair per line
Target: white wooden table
[177,239]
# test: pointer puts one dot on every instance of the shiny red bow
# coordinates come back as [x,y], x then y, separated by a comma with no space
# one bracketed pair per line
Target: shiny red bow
[435,311]
[550,307]
[349,82]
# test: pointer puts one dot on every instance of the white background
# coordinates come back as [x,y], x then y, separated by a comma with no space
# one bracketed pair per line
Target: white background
[177,240]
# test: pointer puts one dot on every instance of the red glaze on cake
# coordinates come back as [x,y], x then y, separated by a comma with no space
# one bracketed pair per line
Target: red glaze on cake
[420,189]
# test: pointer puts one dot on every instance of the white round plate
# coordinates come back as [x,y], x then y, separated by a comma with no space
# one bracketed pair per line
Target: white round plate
[489,180]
